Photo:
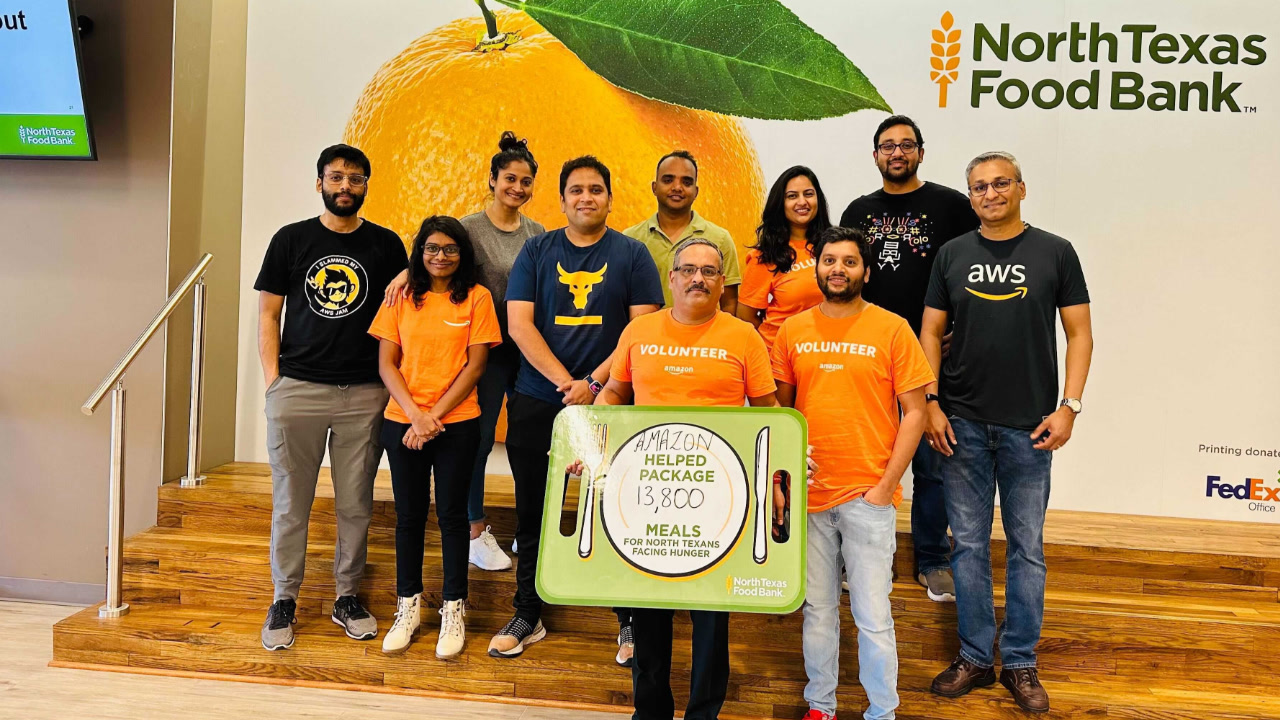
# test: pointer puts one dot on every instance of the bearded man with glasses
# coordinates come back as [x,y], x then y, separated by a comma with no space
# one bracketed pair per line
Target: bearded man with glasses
[998,420]
[323,385]
[906,222]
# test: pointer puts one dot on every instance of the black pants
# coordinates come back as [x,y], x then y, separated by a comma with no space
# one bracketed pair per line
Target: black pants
[452,455]
[529,422]
[651,671]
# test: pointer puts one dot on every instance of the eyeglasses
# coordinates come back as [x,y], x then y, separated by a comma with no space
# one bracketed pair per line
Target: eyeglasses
[908,147]
[336,178]
[448,250]
[1001,185]
[708,272]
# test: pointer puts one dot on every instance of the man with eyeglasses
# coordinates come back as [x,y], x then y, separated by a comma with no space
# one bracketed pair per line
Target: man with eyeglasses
[652,366]
[675,187]
[906,222]
[998,419]
[323,384]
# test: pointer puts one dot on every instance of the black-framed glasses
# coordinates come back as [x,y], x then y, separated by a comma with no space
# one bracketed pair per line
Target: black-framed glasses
[1001,186]
[336,178]
[433,249]
[708,272]
[908,147]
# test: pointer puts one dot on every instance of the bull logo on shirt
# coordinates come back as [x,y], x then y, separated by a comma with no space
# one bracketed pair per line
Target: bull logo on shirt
[335,286]
[580,283]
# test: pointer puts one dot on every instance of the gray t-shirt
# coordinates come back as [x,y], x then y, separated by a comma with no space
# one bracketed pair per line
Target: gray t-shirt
[496,252]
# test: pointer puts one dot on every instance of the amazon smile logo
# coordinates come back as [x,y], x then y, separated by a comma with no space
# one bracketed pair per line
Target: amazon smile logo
[1020,291]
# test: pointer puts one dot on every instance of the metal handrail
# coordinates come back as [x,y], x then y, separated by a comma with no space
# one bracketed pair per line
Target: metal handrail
[169,306]
[115,606]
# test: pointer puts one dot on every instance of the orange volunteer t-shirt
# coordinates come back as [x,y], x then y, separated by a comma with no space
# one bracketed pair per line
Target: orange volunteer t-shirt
[434,340]
[719,363]
[848,375]
[780,295]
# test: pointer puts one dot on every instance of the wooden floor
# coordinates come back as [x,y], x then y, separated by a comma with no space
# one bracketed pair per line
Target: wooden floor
[31,690]
[1145,619]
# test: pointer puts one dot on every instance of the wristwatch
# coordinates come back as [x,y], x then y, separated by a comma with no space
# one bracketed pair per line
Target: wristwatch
[1072,403]
[930,397]
[593,385]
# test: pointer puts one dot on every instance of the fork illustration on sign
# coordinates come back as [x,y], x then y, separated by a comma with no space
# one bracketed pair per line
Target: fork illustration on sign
[595,462]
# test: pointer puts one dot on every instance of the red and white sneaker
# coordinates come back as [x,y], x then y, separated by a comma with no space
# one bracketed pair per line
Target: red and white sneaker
[815,714]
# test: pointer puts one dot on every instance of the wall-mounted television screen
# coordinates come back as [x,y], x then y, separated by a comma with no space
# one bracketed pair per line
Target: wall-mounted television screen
[42,113]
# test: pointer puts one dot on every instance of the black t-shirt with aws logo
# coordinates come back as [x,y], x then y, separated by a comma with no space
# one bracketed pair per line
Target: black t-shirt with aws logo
[332,284]
[1003,296]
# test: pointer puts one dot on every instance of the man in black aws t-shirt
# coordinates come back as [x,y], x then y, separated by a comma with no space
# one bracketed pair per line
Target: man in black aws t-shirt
[328,274]
[907,221]
[999,419]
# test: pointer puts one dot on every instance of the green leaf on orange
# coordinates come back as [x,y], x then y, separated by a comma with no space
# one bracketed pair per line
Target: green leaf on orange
[749,58]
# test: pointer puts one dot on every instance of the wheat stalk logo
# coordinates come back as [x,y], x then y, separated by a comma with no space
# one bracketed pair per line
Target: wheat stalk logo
[946,57]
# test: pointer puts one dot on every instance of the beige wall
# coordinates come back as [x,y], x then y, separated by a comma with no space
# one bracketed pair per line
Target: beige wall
[208,141]
[84,270]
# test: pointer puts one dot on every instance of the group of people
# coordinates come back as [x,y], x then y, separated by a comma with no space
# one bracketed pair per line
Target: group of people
[919,332]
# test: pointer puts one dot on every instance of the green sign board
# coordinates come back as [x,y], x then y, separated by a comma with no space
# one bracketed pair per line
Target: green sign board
[675,509]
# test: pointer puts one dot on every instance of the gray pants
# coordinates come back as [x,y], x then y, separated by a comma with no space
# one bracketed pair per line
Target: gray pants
[300,417]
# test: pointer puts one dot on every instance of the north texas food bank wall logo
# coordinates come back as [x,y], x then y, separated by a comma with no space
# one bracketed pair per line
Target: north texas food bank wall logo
[1209,71]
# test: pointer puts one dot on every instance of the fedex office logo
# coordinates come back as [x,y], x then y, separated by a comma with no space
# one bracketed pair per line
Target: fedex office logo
[1261,497]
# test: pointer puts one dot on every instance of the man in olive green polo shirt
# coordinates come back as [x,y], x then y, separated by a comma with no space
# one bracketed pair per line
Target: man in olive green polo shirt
[676,187]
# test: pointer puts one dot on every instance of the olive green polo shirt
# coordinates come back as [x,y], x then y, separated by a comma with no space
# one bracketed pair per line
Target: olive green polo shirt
[663,248]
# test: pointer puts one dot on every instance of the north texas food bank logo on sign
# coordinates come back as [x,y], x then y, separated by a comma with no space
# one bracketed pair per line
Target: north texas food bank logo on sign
[1211,69]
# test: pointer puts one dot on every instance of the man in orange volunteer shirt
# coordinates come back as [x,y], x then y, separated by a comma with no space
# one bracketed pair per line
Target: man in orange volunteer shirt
[846,365]
[690,354]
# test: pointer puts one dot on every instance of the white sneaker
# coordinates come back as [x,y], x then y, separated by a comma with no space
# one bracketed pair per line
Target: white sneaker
[514,550]
[408,617]
[485,553]
[453,631]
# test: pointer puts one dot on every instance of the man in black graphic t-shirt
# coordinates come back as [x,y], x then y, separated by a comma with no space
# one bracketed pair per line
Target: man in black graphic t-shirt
[323,385]
[998,419]
[907,221]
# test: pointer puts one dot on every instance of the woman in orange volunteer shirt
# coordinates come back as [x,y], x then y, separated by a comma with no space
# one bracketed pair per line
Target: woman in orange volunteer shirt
[777,277]
[434,346]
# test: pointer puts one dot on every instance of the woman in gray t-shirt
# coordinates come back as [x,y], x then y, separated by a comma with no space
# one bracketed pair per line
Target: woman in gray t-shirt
[497,232]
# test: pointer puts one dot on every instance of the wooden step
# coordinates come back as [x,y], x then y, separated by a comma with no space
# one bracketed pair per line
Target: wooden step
[579,670]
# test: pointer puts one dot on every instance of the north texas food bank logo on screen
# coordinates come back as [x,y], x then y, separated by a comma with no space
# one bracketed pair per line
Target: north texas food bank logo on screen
[1260,496]
[1135,66]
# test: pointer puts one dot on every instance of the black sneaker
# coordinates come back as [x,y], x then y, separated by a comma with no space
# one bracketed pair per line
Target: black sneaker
[277,631]
[515,636]
[351,615]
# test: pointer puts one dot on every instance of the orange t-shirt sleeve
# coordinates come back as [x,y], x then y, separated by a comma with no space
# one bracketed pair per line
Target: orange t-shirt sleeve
[621,369]
[759,371]
[484,320]
[781,363]
[911,368]
[386,324]
[754,290]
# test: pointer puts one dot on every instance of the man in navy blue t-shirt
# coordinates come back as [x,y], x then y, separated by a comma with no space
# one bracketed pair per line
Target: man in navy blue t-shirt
[570,294]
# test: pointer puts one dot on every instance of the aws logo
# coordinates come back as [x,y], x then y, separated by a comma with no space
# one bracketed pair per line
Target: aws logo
[336,286]
[580,283]
[998,273]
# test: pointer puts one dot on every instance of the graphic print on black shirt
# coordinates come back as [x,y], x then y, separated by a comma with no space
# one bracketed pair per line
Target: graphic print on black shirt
[906,231]
[1003,297]
[332,284]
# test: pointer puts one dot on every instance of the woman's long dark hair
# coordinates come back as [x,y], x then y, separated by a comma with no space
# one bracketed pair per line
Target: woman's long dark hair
[773,236]
[510,150]
[462,280]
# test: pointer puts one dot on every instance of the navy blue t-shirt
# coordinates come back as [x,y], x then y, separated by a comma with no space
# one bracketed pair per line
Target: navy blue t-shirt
[582,300]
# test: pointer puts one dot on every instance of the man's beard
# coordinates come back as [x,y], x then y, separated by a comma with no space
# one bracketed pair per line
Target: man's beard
[331,204]
[902,175]
[850,292]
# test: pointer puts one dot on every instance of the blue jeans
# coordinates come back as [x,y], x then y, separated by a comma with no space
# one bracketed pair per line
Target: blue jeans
[864,537]
[928,511]
[989,458]
[498,380]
